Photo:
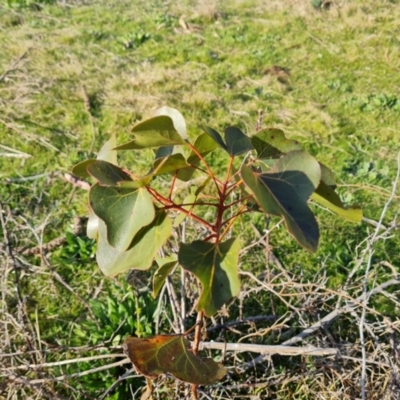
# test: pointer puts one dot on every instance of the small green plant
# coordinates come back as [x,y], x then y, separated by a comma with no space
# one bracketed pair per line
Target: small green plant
[135,39]
[133,217]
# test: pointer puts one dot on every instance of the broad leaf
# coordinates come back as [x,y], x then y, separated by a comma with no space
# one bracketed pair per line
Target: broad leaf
[171,354]
[236,141]
[106,153]
[204,145]
[327,176]
[272,143]
[92,227]
[169,164]
[141,252]
[124,211]
[177,120]
[80,169]
[326,196]
[215,136]
[216,266]
[107,174]
[285,190]
[165,267]
[155,132]
[164,151]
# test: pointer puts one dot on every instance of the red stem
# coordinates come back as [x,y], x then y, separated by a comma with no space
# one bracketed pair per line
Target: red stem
[169,204]
[210,173]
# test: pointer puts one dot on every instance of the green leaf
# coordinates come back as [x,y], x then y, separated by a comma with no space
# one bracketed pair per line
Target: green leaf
[272,143]
[80,170]
[141,252]
[204,145]
[107,174]
[215,136]
[107,152]
[164,151]
[155,132]
[216,266]
[177,120]
[124,211]
[169,164]
[236,141]
[92,227]
[327,176]
[284,191]
[166,265]
[326,196]
[171,354]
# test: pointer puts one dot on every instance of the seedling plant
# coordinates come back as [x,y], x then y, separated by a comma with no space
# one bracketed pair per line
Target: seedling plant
[135,217]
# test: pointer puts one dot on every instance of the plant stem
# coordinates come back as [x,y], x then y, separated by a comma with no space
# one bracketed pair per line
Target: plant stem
[197,332]
[210,173]
[169,204]
[196,344]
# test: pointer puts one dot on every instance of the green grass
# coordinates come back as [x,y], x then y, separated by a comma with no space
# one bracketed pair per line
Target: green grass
[340,100]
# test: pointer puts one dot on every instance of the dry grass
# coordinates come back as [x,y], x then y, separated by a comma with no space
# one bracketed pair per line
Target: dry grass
[47,56]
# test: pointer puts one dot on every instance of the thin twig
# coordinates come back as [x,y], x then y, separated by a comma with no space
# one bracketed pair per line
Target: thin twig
[328,319]
[64,362]
[76,375]
[366,295]
[268,349]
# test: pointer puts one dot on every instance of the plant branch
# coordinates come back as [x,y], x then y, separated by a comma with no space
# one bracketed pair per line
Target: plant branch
[64,362]
[76,375]
[169,204]
[210,173]
[269,349]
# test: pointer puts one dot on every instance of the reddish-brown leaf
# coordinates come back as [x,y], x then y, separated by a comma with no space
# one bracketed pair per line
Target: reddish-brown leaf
[171,354]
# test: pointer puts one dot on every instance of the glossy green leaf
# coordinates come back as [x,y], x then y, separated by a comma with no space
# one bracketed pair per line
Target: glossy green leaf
[142,251]
[236,141]
[165,267]
[204,145]
[172,354]
[216,266]
[285,190]
[107,174]
[326,196]
[106,153]
[92,227]
[80,170]
[124,211]
[169,164]
[272,143]
[327,176]
[155,132]
[177,120]
[164,151]
[215,136]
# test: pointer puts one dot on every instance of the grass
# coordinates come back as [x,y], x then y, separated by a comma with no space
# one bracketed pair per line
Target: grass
[212,61]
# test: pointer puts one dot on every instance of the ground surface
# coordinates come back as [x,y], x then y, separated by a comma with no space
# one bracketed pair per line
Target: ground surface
[73,72]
